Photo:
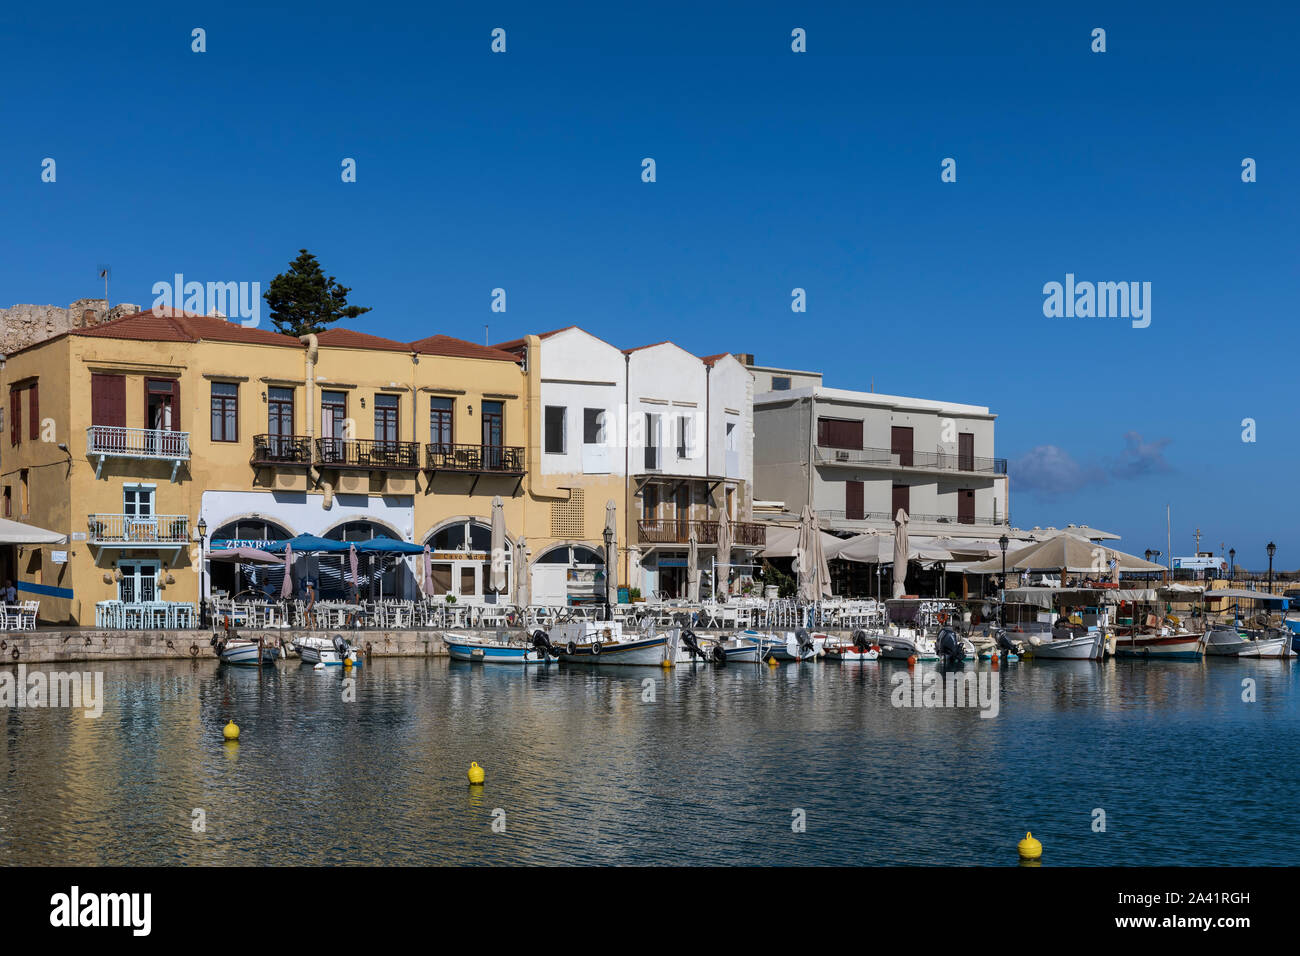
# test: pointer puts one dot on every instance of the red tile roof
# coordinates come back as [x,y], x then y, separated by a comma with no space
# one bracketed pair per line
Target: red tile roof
[352,339]
[459,348]
[169,325]
[714,359]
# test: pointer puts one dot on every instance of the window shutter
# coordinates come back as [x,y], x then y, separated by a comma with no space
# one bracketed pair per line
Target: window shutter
[15,416]
[34,413]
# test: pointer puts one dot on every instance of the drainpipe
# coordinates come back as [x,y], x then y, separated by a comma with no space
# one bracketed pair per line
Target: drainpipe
[312,354]
[627,461]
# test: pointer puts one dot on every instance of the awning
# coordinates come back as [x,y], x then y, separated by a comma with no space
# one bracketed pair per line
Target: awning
[306,543]
[243,556]
[17,532]
[1244,595]
[385,545]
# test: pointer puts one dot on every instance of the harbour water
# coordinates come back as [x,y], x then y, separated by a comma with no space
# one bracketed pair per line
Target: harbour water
[713,770]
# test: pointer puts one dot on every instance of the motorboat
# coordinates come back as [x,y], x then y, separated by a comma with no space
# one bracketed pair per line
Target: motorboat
[861,647]
[604,642]
[905,643]
[536,649]
[331,652]
[244,652]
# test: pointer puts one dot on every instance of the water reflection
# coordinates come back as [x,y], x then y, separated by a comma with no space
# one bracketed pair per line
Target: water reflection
[694,765]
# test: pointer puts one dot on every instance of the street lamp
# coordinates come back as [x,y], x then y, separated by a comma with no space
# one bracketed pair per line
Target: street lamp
[608,535]
[1272,550]
[1002,595]
[1232,564]
[203,600]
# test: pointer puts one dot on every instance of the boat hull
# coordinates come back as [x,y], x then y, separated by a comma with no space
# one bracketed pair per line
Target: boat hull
[1176,647]
[1085,647]
[648,651]
[495,652]
[249,654]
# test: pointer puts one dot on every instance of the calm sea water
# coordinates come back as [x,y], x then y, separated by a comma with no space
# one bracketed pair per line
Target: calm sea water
[709,772]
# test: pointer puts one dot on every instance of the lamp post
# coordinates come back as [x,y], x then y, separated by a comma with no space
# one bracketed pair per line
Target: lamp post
[1232,564]
[608,535]
[1272,550]
[203,599]
[1002,594]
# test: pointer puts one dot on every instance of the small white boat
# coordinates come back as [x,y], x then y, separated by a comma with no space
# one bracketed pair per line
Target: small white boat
[862,647]
[784,646]
[1068,645]
[603,642]
[323,650]
[245,653]
[482,651]
[1164,643]
[903,643]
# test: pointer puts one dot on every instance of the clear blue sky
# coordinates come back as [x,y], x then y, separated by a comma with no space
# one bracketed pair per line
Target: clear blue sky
[775,170]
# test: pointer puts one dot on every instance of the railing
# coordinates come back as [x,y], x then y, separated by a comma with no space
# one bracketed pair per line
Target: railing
[112,441]
[137,529]
[671,531]
[832,515]
[443,456]
[281,450]
[366,453]
[935,461]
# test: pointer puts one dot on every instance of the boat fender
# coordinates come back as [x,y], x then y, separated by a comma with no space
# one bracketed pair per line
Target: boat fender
[595,648]
[572,649]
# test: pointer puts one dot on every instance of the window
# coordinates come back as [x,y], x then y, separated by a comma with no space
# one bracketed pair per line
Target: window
[225,411]
[650,502]
[651,442]
[279,403]
[593,426]
[333,414]
[162,405]
[780,383]
[24,488]
[9,501]
[440,421]
[387,425]
[555,436]
[730,440]
[494,434]
[137,501]
[684,433]
[853,501]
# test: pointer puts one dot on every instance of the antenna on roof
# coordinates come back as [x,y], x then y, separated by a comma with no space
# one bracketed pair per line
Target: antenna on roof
[104,272]
[486,340]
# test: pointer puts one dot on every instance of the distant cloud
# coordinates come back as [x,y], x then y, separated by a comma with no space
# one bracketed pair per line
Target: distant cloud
[1049,470]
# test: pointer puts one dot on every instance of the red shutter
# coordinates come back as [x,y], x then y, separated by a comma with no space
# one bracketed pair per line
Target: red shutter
[853,497]
[900,444]
[108,400]
[966,451]
[965,506]
[34,412]
[15,416]
[902,500]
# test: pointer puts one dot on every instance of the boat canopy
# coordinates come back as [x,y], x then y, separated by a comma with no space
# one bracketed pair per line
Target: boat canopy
[1242,594]
[1053,597]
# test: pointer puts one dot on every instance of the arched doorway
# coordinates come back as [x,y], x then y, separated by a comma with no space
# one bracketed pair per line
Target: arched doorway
[461,552]
[568,573]
[230,580]
[379,575]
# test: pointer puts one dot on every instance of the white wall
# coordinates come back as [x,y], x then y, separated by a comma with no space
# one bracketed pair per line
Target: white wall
[580,371]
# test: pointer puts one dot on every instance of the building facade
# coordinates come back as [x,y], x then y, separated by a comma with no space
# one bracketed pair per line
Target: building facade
[858,457]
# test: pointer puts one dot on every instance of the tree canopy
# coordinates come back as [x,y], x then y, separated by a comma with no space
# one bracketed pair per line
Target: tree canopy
[305,300]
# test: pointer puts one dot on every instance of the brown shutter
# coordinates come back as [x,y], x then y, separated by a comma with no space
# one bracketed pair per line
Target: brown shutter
[966,451]
[34,412]
[15,416]
[108,400]
[902,499]
[965,506]
[900,444]
[853,498]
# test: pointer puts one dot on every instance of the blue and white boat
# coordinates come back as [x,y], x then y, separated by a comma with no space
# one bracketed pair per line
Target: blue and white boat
[327,651]
[789,646]
[245,653]
[482,651]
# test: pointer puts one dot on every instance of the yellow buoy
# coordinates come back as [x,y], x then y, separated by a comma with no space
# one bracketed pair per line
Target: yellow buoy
[231,731]
[667,662]
[475,773]
[1029,848]
[347,662]
[771,662]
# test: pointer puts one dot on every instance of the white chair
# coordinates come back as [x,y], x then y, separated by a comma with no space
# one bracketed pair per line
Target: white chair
[27,615]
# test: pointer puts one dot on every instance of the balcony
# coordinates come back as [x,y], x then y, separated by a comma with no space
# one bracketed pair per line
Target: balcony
[880,516]
[138,531]
[139,444]
[271,450]
[476,460]
[919,460]
[670,531]
[365,454]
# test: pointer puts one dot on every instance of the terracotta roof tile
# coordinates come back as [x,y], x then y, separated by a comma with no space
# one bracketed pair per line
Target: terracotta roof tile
[169,325]
[519,343]
[459,348]
[352,339]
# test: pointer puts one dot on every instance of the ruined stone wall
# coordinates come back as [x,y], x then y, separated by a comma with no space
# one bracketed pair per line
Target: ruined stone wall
[24,325]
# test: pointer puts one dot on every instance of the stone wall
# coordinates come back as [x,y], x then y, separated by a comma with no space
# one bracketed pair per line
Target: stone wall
[24,325]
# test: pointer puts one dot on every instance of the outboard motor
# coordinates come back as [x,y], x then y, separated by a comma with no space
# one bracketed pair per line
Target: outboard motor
[804,640]
[341,647]
[861,641]
[692,644]
[542,642]
[718,654]
[949,647]
[1005,643]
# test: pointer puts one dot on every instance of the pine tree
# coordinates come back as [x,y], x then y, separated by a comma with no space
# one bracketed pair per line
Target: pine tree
[305,300]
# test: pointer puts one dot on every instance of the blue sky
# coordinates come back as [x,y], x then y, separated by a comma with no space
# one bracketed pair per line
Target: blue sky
[774,170]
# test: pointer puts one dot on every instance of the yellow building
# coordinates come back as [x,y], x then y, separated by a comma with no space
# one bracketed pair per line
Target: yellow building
[137,432]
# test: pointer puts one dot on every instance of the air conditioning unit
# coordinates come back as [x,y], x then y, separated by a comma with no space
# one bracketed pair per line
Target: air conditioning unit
[841,455]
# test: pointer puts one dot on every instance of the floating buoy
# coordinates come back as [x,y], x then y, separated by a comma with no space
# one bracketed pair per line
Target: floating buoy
[911,660]
[995,661]
[230,731]
[475,773]
[666,662]
[1029,848]
[771,662]
[347,662]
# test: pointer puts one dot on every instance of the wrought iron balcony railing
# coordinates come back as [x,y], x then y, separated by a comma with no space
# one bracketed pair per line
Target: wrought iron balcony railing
[281,450]
[932,461]
[137,530]
[444,456]
[364,453]
[672,531]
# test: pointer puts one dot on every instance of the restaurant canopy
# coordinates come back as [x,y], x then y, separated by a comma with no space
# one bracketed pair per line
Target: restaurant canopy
[16,532]
[781,541]
[305,543]
[1065,553]
[386,545]
[243,556]
[872,548]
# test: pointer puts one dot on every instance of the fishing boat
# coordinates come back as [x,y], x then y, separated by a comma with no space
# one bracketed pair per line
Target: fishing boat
[242,652]
[784,646]
[861,647]
[603,642]
[1165,640]
[1238,639]
[904,643]
[737,650]
[1069,642]
[328,651]
[536,650]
